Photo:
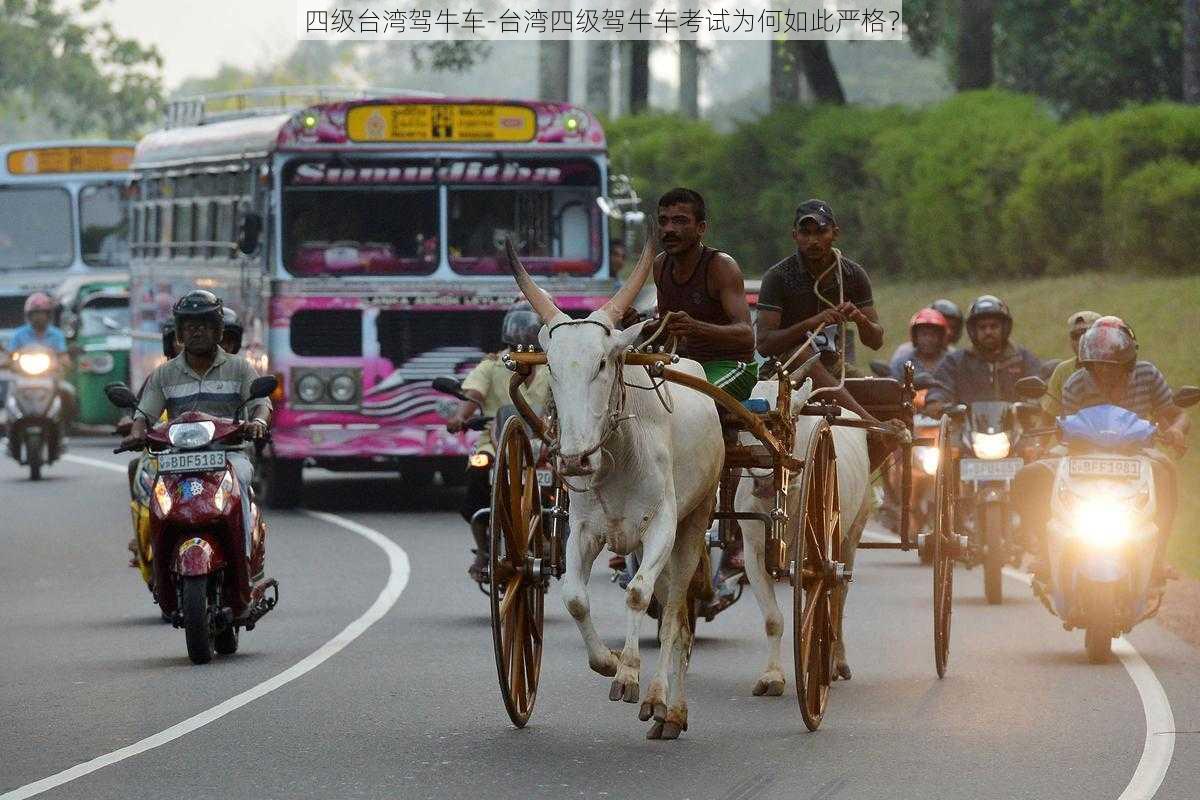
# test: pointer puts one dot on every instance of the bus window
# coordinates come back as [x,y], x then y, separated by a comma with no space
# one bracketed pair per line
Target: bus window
[35,228]
[547,208]
[181,226]
[104,220]
[211,249]
[374,232]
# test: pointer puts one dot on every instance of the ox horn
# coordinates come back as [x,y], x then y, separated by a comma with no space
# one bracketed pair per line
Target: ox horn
[538,297]
[623,299]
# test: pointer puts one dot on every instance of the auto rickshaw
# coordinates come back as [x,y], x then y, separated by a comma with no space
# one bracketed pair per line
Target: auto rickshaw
[95,318]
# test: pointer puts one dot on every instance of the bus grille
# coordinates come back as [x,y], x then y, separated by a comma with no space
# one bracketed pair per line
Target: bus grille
[405,335]
[316,332]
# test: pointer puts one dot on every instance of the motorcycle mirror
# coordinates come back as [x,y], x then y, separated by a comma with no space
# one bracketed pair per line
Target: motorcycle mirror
[450,386]
[248,233]
[880,369]
[1187,396]
[120,395]
[957,411]
[1031,387]
[263,387]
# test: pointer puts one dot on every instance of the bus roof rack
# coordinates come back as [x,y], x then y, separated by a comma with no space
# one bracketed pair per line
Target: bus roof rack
[204,109]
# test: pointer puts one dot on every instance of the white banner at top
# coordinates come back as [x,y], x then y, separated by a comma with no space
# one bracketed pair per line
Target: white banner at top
[532,20]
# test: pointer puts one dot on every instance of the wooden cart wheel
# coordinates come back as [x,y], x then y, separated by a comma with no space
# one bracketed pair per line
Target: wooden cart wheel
[943,550]
[818,551]
[518,586]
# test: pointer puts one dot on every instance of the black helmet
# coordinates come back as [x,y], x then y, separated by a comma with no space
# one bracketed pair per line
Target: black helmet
[170,349]
[521,325]
[950,311]
[988,305]
[233,330]
[199,303]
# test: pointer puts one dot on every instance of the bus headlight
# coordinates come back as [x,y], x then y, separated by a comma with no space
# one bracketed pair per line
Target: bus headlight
[310,388]
[342,389]
[1102,523]
[990,446]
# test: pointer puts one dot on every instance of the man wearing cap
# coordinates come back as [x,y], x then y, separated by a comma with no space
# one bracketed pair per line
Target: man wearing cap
[1077,324]
[816,290]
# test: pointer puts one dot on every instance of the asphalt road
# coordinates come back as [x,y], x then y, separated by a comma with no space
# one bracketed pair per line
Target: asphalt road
[409,708]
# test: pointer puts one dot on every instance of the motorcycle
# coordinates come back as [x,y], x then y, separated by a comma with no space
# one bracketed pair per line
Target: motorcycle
[987,457]
[212,582]
[1102,539]
[481,519]
[33,410]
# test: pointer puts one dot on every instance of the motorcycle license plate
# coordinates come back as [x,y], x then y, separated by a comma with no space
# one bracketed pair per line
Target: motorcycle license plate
[203,461]
[977,469]
[1129,468]
[545,478]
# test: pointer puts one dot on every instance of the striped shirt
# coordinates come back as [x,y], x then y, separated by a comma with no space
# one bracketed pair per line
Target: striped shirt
[176,388]
[1146,393]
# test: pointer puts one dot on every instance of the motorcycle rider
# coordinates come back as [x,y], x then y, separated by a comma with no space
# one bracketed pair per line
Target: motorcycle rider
[39,332]
[949,311]
[1077,325]
[231,339]
[929,333]
[1111,374]
[487,385]
[203,378]
[989,369]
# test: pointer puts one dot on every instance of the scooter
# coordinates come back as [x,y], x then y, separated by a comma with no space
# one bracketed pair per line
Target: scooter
[1102,540]
[208,571]
[33,410]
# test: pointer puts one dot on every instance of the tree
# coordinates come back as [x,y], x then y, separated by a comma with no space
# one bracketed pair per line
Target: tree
[784,79]
[975,21]
[1081,55]
[554,69]
[813,55]
[635,76]
[598,80]
[85,78]
[1191,51]
[689,78]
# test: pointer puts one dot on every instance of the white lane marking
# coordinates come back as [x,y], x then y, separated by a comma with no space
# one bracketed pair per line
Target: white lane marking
[1159,747]
[397,580]
[95,462]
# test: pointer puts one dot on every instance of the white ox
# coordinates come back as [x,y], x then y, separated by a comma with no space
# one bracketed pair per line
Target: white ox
[647,478]
[853,471]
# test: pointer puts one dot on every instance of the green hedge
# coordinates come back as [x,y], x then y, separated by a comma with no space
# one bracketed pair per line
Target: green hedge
[984,183]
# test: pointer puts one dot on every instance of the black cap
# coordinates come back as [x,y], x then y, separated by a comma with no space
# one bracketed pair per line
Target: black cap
[816,210]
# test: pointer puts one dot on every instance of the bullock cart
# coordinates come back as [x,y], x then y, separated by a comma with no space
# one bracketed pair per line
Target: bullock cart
[528,537]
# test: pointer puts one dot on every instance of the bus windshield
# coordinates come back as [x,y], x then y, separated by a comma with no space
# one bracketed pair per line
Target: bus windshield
[35,228]
[549,212]
[104,317]
[366,229]
[104,224]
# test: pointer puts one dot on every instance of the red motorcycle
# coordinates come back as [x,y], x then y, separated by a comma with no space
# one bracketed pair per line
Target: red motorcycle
[207,579]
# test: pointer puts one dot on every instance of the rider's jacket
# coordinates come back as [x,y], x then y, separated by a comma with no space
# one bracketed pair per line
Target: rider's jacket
[25,335]
[965,376]
[176,388]
[491,379]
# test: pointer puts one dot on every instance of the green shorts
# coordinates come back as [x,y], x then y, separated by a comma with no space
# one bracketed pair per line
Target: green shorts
[736,377]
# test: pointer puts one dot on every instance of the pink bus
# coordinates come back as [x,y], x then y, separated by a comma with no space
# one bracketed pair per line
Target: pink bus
[360,240]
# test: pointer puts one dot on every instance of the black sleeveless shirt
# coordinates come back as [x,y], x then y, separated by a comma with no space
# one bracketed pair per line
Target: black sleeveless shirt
[692,296]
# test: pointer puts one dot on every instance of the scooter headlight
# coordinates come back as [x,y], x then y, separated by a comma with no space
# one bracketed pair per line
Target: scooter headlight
[162,497]
[191,434]
[33,363]
[1101,522]
[990,446]
[928,458]
[480,460]
[221,498]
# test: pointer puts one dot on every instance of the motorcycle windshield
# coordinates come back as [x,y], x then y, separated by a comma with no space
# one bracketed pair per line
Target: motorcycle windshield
[991,416]
[1106,427]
